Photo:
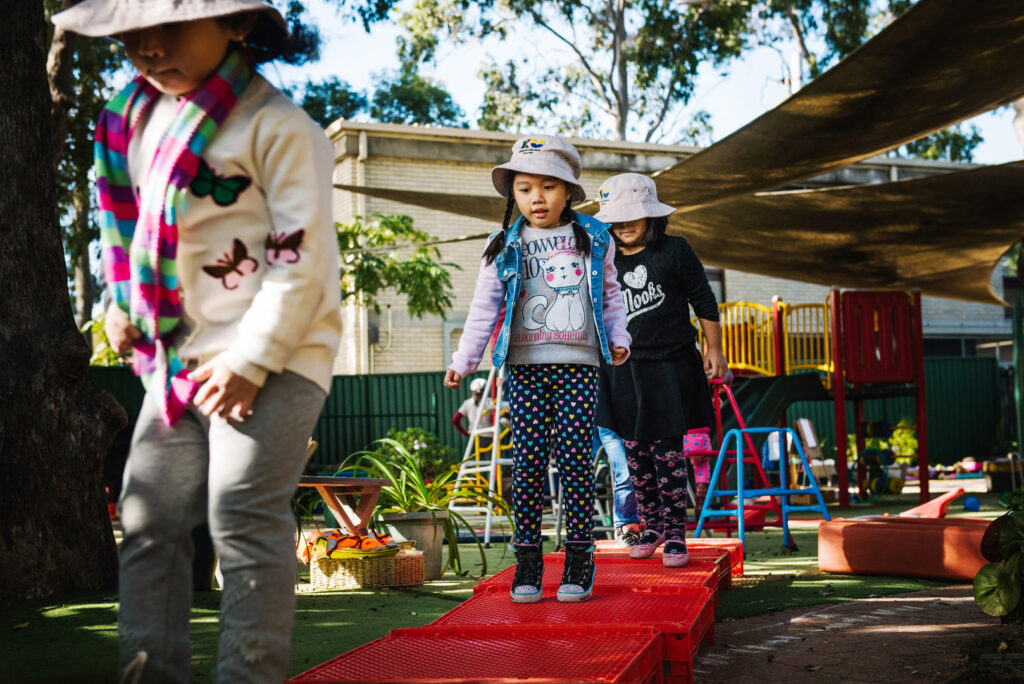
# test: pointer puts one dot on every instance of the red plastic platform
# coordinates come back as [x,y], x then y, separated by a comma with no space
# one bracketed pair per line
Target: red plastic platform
[613,571]
[685,618]
[724,557]
[475,653]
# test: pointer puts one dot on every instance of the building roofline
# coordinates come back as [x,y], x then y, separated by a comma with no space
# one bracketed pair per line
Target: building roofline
[341,127]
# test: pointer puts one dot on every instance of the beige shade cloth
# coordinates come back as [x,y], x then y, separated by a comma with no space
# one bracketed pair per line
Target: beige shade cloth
[941,62]
[942,234]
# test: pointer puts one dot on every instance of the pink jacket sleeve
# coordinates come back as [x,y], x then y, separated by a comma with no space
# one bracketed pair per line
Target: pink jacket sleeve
[483,313]
[614,308]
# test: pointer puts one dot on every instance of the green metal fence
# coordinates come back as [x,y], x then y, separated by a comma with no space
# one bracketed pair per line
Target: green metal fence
[962,394]
[963,408]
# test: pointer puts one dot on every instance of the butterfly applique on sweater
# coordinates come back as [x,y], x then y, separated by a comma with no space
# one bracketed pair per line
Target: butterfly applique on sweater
[223,190]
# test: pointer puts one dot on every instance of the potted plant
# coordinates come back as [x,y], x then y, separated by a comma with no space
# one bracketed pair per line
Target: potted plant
[998,585]
[417,509]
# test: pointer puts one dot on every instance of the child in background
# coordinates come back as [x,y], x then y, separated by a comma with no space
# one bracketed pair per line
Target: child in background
[471,408]
[625,516]
[220,254]
[661,393]
[552,271]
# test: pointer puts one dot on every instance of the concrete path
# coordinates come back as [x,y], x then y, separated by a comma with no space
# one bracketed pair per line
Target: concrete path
[912,637]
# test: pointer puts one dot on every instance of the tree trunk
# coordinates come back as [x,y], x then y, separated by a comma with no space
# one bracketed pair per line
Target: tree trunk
[80,261]
[55,426]
[59,64]
[621,74]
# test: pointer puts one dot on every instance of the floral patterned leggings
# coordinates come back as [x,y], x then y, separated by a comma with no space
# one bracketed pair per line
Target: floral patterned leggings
[658,469]
[552,408]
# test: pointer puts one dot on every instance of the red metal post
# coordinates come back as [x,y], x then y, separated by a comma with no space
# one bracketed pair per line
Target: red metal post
[839,399]
[917,336]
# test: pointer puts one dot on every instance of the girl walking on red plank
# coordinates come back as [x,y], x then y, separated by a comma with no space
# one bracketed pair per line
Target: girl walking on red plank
[552,270]
[661,392]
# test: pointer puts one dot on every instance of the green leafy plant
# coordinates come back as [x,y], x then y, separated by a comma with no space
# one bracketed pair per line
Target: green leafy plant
[998,585]
[432,457]
[410,492]
[102,353]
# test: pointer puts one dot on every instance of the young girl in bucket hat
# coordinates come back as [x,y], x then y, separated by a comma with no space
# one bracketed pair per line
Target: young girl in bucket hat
[661,393]
[552,271]
[219,254]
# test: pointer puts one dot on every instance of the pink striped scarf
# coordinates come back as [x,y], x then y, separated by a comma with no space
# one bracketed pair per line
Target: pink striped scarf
[140,236]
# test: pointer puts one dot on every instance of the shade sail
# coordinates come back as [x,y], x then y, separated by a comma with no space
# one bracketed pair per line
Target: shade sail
[941,62]
[942,234]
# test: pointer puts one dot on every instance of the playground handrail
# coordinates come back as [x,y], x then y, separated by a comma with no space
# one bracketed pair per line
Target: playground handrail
[808,337]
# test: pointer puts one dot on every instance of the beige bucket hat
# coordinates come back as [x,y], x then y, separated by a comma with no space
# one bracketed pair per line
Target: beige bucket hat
[629,197]
[541,155]
[97,18]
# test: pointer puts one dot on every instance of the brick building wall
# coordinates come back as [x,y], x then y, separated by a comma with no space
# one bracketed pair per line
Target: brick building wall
[457,160]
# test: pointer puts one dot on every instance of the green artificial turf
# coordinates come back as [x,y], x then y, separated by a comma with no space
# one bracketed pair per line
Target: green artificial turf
[73,638]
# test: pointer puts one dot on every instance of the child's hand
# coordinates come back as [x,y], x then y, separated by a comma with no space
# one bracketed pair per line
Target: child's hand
[715,365]
[452,379]
[120,332]
[224,392]
[619,355]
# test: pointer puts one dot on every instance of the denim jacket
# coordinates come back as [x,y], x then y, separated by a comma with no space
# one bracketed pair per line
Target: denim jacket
[500,283]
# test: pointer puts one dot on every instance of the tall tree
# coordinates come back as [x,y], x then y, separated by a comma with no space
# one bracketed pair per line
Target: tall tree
[407,97]
[331,99]
[630,63]
[54,426]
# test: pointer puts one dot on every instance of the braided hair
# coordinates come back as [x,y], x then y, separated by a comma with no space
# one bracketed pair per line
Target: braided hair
[567,216]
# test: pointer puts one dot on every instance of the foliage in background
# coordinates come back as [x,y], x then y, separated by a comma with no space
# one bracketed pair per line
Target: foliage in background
[407,97]
[102,353]
[409,492]
[953,144]
[432,457]
[372,262]
[329,100]
[903,442]
[998,585]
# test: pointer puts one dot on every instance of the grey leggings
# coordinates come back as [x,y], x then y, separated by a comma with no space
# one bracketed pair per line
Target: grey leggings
[239,477]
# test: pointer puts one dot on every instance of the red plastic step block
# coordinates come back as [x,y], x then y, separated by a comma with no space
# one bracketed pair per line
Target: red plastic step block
[534,653]
[720,556]
[685,618]
[732,545]
[615,572]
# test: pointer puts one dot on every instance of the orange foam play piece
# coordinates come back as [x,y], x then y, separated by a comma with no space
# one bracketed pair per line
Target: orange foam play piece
[903,547]
[936,508]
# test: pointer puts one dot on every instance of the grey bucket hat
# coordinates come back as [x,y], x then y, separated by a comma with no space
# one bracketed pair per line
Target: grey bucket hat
[629,197]
[541,155]
[110,17]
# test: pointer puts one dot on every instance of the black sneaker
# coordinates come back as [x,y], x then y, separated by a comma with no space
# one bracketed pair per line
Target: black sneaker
[578,577]
[627,535]
[526,584]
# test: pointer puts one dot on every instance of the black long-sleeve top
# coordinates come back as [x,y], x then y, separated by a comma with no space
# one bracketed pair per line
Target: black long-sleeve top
[659,283]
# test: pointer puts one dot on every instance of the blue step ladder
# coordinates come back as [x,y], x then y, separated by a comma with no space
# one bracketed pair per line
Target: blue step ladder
[741,494]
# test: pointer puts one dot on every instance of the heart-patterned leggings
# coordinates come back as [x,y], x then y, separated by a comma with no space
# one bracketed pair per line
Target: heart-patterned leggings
[552,409]
[658,470]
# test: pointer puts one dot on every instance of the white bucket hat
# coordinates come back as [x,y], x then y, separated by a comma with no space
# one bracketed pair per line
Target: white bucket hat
[477,385]
[97,18]
[629,197]
[542,155]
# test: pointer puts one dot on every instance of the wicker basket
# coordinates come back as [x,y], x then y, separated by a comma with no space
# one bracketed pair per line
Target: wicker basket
[352,573]
[408,570]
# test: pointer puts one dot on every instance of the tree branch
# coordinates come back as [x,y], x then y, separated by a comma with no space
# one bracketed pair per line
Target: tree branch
[664,110]
[794,24]
[595,78]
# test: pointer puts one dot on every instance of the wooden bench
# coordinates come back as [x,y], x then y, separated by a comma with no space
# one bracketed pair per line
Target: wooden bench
[339,495]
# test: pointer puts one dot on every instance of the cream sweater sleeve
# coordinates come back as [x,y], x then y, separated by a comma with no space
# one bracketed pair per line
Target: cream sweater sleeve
[295,162]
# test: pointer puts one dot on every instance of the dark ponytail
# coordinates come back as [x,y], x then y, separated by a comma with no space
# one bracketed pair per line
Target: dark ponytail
[582,239]
[498,243]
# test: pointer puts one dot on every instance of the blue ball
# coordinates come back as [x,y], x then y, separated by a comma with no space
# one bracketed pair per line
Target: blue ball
[972,504]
